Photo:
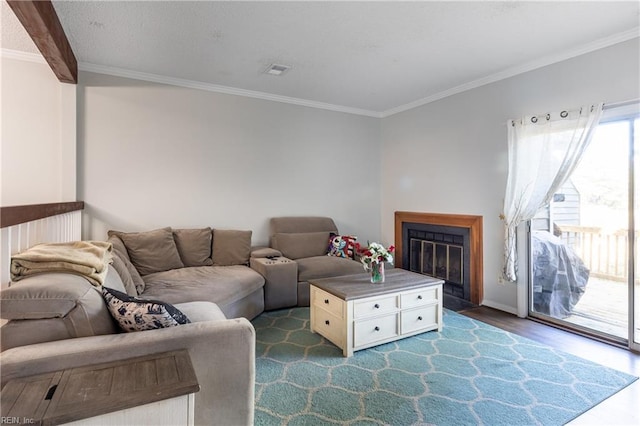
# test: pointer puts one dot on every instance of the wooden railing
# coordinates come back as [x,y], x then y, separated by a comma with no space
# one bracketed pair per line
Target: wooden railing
[605,254]
[16,215]
[23,226]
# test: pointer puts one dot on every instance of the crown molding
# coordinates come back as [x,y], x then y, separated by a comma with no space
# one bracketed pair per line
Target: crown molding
[511,72]
[22,56]
[191,84]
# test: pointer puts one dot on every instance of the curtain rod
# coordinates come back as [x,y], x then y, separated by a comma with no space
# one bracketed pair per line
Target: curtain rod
[605,106]
[621,104]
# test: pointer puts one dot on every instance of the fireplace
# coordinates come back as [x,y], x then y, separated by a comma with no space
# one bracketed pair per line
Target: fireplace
[441,252]
[444,246]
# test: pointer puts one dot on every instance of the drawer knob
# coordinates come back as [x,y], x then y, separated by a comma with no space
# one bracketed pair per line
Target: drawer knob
[419,318]
[419,297]
[327,322]
[376,306]
[326,301]
[377,328]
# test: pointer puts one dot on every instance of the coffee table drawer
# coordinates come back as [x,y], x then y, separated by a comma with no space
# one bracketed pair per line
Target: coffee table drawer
[421,297]
[328,302]
[425,317]
[330,326]
[375,306]
[375,329]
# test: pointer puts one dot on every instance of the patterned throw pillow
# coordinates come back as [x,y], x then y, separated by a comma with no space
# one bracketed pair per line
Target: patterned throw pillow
[341,246]
[135,314]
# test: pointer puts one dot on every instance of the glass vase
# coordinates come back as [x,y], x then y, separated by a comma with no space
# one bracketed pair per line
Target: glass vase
[377,272]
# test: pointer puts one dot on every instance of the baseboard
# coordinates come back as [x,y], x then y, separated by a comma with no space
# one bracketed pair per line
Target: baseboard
[500,306]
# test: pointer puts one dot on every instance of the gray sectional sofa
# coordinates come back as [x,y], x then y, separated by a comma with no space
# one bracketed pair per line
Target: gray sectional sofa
[208,281]
[204,273]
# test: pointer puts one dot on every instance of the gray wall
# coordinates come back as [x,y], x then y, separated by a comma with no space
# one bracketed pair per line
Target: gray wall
[153,155]
[450,156]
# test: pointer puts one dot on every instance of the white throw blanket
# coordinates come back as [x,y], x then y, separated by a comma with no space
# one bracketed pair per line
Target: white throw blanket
[87,258]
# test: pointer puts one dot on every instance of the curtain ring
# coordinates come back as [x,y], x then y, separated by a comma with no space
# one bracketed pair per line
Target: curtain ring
[534,119]
[548,117]
[564,114]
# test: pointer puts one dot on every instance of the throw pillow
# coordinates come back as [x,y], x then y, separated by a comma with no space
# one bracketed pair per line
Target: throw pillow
[135,314]
[121,268]
[231,247]
[121,251]
[342,246]
[152,251]
[194,246]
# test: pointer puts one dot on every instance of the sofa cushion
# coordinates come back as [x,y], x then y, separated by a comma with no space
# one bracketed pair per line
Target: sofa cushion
[223,285]
[297,224]
[121,251]
[113,280]
[43,296]
[124,274]
[342,246]
[152,251]
[117,244]
[65,300]
[194,246]
[201,311]
[51,295]
[326,266]
[301,245]
[231,247]
[136,314]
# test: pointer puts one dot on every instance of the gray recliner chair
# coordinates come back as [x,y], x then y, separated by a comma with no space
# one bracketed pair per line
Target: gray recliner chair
[305,239]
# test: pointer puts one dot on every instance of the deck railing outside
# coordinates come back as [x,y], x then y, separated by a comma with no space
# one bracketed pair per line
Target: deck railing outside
[604,253]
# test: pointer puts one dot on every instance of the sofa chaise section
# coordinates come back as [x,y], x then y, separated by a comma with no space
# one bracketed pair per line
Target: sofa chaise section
[180,265]
[236,289]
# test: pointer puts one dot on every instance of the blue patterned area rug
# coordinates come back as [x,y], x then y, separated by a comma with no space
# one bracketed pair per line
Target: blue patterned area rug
[469,374]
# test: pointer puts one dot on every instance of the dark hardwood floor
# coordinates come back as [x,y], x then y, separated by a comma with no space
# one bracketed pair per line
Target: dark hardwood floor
[608,354]
[623,405]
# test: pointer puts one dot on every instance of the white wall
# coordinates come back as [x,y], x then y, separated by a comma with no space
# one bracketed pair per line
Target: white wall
[153,155]
[450,156]
[38,150]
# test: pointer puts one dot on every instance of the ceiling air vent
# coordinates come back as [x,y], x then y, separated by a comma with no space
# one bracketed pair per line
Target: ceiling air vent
[277,69]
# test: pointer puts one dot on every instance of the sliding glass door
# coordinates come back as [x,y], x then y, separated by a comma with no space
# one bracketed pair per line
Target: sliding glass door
[634,287]
[583,243]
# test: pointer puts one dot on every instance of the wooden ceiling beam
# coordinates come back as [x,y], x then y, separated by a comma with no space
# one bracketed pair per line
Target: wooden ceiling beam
[41,21]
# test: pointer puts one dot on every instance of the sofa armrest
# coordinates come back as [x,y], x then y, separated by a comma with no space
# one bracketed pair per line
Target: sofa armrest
[222,353]
[265,252]
[280,281]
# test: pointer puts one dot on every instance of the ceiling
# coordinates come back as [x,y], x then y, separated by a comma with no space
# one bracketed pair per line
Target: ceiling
[371,58]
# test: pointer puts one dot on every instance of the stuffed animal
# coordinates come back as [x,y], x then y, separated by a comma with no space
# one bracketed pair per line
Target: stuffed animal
[341,245]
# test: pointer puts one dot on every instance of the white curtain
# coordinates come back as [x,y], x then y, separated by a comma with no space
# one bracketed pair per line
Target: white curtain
[543,152]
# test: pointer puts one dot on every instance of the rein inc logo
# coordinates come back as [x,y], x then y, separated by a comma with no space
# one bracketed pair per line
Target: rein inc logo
[7,420]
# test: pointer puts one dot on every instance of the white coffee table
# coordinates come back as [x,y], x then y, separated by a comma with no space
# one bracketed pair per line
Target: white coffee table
[355,314]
